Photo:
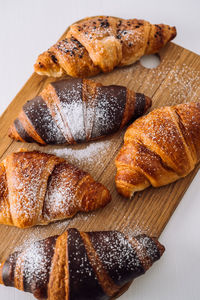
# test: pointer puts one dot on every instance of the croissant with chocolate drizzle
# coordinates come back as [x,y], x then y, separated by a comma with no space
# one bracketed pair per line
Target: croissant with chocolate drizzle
[98,44]
[80,265]
[77,110]
[38,188]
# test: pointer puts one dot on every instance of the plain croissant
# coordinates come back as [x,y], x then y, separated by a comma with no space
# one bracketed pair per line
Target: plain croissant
[159,148]
[80,265]
[77,110]
[37,188]
[101,43]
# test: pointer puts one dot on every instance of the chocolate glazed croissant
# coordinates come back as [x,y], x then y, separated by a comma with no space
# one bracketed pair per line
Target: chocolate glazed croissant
[159,148]
[101,43]
[80,265]
[37,188]
[77,110]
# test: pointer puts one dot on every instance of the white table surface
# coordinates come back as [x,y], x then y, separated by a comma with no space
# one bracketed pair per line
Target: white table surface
[28,27]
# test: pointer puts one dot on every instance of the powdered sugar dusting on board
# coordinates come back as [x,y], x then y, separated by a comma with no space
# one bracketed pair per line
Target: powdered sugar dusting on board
[41,232]
[180,83]
[183,83]
[86,155]
[79,217]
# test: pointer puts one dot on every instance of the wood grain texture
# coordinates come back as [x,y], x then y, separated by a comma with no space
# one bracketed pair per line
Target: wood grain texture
[175,80]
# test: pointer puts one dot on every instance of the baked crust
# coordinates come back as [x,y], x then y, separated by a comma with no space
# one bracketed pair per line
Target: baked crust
[99,44]
[159,148]
[38,188]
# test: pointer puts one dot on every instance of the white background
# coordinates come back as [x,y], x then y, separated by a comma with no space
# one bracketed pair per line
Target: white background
[27,28]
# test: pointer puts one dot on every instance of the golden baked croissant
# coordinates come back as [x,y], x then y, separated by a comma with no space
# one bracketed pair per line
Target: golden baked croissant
[37,188]
[101,43]
[80,265]
[77,110]
[159,148]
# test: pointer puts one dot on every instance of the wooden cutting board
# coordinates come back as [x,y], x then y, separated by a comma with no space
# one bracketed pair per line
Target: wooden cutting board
[175,80]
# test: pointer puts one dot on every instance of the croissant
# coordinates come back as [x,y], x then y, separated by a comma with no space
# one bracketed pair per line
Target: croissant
[80,265]
[101,43]
[159,148]
[37,188]
[77,110]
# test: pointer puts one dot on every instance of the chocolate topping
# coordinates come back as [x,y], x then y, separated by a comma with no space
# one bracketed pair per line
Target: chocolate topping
[8,272]
[150,245]
[69,93]
[37,265]
[122,260]
[117,256]
[109,110]
[39,115]
[139,105]
[83,283]
[22,132]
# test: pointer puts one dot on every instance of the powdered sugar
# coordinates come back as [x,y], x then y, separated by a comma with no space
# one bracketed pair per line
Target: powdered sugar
[183,83]
[60,197]
[179,83]
[115,252]
[26,188]
[71,110]
[39,115]
[35,261]
[134,38]
[86,155]
[121,258]
[92,155]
